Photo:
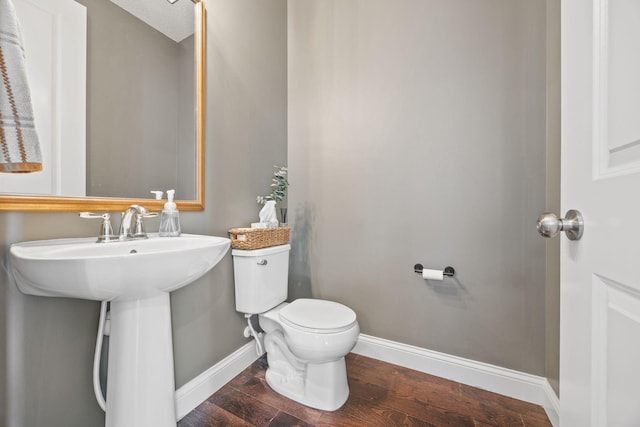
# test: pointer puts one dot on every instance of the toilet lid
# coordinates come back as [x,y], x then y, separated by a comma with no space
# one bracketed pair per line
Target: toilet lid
[318,314]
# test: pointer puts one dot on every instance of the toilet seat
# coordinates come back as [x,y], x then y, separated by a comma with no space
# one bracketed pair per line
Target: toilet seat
[318,316]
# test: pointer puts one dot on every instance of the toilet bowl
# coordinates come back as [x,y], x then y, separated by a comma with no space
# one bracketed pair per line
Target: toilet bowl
[306,362]
[305,340]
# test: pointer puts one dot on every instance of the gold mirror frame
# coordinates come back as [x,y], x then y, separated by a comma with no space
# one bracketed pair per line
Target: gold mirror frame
[19,202]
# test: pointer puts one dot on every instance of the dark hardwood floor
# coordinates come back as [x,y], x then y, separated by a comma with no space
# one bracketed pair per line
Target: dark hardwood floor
[381,394]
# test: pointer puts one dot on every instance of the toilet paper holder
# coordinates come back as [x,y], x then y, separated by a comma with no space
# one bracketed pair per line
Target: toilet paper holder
[448,271]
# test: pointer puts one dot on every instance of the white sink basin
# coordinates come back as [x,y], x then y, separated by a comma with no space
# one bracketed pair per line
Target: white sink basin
[82,268]
[136,277]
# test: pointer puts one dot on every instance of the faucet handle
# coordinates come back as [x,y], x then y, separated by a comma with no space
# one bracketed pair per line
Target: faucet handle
[139,232]
[106,230]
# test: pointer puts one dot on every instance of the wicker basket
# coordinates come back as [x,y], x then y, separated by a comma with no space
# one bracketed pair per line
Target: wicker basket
[256,238]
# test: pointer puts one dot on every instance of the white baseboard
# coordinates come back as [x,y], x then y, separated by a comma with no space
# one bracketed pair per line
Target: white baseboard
[551,404]
[518,385]
[196,391]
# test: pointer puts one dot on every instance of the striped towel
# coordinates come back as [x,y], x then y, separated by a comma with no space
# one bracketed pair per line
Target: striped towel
[19,147]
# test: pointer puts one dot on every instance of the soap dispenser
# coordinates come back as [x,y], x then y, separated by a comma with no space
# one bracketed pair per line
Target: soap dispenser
[170,217]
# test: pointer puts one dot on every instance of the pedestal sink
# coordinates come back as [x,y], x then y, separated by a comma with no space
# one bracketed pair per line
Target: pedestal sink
[136,277]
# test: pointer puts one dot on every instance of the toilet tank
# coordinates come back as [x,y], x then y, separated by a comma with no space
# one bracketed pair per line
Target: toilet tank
[261,278]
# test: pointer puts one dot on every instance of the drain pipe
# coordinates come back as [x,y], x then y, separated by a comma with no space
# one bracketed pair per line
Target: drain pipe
[249,331]
[102,331]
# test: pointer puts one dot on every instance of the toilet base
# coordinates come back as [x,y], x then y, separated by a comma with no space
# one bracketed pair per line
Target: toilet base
[317,385]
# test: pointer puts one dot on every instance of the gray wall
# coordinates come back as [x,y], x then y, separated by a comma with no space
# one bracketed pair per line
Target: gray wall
[417,135]
[185,148]
[246,136]
[47,343]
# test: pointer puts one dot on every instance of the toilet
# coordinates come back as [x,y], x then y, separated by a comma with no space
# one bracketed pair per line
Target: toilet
[305,340]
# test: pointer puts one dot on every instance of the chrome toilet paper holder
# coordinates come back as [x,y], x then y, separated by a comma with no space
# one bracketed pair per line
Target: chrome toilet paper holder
[448,271]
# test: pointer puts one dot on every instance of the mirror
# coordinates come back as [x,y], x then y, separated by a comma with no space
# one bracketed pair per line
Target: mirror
[101,198]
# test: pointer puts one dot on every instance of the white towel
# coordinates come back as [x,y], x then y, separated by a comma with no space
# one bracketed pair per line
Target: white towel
[19,146]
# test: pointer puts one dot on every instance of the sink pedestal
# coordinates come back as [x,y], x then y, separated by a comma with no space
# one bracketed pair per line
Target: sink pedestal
[140,379]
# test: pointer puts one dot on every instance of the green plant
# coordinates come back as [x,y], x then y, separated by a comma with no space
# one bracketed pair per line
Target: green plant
[279,185]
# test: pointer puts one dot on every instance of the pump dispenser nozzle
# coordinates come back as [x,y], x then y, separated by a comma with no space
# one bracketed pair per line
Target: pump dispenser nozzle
[170,194]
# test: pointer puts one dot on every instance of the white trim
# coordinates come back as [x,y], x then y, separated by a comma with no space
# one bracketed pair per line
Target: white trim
[519,385]
[551,404]
[196,391]
[508,382]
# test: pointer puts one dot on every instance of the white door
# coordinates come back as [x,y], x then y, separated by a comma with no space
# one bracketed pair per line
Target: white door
[600,287]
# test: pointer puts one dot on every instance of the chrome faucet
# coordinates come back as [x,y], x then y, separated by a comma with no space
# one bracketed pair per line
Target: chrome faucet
[139,212]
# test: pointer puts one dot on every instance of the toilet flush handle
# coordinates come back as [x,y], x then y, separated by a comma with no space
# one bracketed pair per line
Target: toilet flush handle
[262,262]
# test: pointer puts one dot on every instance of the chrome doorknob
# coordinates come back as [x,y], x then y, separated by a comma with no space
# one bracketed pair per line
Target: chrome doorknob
[550,225]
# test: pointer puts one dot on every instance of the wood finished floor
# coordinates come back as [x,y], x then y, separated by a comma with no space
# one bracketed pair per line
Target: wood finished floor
[381,394]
